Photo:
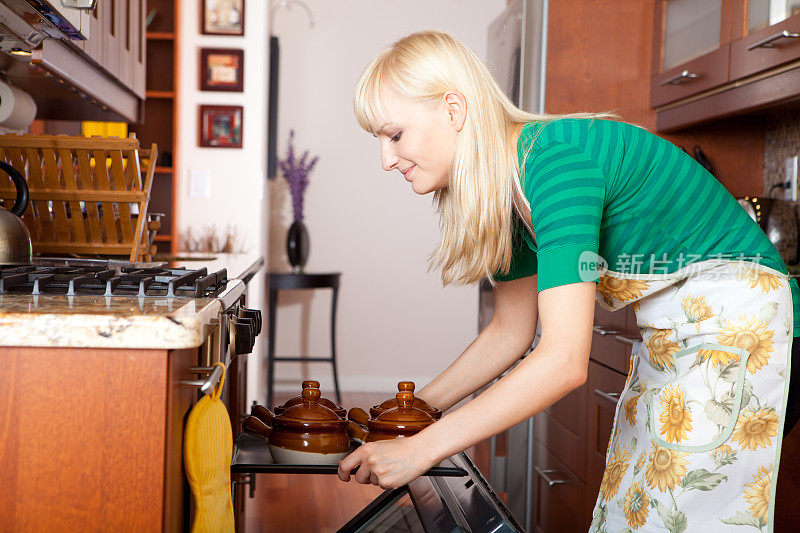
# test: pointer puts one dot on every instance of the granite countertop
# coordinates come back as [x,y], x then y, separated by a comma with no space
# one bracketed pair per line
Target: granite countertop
[118,321]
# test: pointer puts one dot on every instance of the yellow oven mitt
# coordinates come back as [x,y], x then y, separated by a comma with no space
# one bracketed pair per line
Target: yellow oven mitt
[207,451]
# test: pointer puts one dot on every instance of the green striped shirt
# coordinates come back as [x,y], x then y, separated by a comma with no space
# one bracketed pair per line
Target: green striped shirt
[646,207]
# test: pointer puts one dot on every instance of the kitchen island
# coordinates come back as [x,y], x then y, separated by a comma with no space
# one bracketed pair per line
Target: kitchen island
[92,407]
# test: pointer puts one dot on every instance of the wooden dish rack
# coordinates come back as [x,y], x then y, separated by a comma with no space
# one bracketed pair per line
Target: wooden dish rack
[87,194]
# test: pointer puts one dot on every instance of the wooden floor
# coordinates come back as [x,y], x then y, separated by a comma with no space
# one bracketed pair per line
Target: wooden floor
[319,503]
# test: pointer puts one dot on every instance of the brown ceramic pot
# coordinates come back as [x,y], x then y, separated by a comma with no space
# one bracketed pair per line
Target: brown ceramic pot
[322,401]
[305,433]
[403,420]
[419,403]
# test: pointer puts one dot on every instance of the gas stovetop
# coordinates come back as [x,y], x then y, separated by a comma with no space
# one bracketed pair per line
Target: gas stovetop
[72,277]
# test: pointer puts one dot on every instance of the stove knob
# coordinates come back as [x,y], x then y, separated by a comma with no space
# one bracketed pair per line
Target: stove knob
[253,314]
[243,337]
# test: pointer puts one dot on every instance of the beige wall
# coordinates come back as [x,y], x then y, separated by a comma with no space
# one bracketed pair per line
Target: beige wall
[395,320]
[237,176]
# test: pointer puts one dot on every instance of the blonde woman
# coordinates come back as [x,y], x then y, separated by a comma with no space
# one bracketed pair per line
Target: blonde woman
[559,211]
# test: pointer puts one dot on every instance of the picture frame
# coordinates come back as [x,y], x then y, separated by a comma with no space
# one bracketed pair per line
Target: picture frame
[222,69]
[220,126]
[222,17]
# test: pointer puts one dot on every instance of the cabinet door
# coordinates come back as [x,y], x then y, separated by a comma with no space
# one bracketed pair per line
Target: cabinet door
[562,429]
[604,386]
[606,348]
[691,48]
[558,496]
[771,36]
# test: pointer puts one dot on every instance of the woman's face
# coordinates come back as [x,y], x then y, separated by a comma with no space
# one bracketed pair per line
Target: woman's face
[419,141]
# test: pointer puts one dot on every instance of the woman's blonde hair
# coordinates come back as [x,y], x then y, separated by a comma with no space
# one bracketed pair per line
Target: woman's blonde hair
[477,208]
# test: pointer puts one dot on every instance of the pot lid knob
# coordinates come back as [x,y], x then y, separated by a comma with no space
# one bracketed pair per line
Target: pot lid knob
[405,399]
[405,386]
[310,397]
[311,384]
[405,413]
[310,409]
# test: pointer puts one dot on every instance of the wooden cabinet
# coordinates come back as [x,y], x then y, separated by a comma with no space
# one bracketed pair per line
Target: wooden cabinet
[561,429]
[717,58]
[604,386]
[559,495]
[771,38]
[571,436]
[92,439]
[692,48]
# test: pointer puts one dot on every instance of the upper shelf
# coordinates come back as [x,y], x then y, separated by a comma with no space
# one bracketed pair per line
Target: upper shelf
[160,35]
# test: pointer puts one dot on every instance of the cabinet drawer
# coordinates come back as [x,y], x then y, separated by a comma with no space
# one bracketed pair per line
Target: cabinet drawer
[603,386]
[747,59]
[701,74]
[613,335]
[559,498]
[562,430]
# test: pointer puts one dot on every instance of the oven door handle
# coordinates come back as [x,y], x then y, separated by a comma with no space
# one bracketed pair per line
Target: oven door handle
[207,385]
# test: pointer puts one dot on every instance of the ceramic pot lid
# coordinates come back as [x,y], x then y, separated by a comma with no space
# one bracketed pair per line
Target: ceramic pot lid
[297,400]
[310,412]
[405,414]
[419,403]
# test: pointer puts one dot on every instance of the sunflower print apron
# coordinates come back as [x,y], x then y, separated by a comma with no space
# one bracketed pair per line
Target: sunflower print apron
[697,433]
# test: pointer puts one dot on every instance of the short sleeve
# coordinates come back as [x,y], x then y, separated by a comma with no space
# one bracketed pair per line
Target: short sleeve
[565,188]
[523,258]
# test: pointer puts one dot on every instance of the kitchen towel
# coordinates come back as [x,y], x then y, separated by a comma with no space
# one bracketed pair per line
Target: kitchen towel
[207,453]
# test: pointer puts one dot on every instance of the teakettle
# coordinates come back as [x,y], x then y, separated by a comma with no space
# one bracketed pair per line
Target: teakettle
[15,240]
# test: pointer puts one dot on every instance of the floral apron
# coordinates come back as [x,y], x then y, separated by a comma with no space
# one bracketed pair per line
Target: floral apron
[697,433]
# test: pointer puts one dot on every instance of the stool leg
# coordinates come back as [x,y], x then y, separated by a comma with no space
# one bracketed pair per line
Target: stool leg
[333,344]
[273,304]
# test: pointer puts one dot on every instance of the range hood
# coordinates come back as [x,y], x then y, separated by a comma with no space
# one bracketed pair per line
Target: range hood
[44,50]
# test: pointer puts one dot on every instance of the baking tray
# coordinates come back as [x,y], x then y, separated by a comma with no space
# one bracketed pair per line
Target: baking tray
[251,456]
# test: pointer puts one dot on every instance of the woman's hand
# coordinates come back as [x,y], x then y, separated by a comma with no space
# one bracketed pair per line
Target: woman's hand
[388,463]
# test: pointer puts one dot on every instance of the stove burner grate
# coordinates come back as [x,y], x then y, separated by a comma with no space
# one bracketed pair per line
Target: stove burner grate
[102,281]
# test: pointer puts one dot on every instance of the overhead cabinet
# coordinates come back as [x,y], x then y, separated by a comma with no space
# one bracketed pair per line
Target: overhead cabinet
[97,74]
[692,48]
[717,58]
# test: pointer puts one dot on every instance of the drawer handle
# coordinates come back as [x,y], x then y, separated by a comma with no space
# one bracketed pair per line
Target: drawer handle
[626,340]
[677,79]
[600,330]
[545,475]
[612,397]
[767,43]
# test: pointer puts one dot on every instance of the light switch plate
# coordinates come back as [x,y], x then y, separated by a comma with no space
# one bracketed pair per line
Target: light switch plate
[199,183]
[791,177]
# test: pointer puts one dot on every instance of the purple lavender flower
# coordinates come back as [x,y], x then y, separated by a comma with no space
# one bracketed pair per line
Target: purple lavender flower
[296,173]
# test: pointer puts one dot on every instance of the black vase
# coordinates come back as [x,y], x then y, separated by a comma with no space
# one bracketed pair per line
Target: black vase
[297,243]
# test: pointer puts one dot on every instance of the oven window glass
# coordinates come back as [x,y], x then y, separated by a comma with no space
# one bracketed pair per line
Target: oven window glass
[398,516]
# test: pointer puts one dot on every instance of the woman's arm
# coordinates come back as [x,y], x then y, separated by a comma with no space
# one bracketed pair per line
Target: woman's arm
[497,347]
[557,365]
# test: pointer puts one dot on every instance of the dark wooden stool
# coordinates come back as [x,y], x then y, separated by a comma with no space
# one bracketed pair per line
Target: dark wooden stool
[289,281]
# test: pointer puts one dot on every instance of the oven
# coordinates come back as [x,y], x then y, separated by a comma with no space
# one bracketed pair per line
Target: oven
[227,336]
[144,291]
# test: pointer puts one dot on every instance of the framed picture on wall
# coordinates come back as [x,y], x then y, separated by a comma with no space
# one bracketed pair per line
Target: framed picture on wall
[222,17]
[221,69]
[220,126]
